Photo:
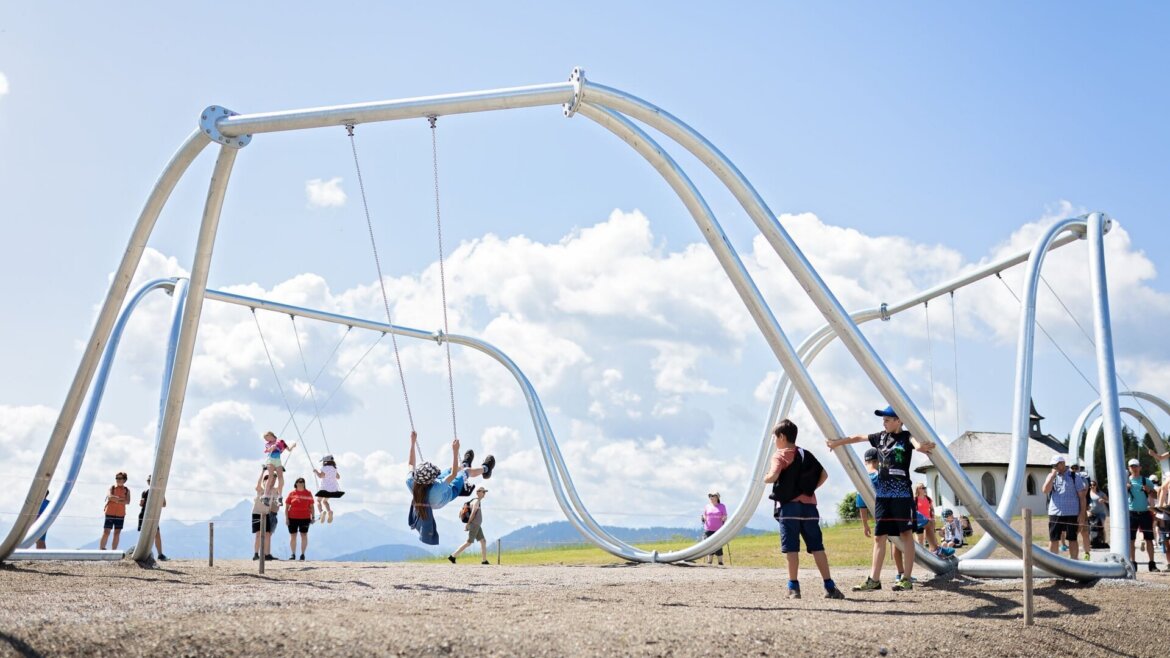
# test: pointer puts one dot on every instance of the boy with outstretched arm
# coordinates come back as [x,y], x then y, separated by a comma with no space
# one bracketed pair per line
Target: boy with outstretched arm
[894,504]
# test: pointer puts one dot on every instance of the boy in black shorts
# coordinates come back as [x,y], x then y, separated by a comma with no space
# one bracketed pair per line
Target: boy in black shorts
[894,504]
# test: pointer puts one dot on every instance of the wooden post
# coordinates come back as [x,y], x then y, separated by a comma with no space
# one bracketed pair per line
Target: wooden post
[497,551]
[263,540]
[728,547]
[1028,609]
[211,544]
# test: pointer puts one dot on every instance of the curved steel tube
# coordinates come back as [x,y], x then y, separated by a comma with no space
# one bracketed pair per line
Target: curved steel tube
[850,335]
[1021,403]
[1078,434]
[119,286]
[95,401]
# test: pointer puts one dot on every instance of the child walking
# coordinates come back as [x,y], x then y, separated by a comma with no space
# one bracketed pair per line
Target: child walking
[329,487]
[273,449]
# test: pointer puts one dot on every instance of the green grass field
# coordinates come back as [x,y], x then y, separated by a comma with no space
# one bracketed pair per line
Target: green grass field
[845,543]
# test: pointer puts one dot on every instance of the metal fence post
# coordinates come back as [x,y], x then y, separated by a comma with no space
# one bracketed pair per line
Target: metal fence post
[210,544]
[1028,609]
[497,552]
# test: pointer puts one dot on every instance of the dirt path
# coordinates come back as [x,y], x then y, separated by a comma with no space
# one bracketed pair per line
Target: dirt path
[331,609]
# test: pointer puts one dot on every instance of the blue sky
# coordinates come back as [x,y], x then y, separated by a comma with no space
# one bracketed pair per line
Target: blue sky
[938,129]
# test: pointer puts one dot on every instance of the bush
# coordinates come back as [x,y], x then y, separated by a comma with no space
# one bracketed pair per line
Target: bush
[847,508]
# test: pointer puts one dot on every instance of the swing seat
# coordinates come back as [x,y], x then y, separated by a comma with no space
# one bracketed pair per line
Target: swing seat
[329,494]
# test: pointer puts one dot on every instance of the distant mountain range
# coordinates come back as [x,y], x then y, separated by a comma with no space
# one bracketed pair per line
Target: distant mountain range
[362,536]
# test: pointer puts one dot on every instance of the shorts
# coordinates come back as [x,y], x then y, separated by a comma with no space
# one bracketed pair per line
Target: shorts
[330,494]
[718,551]
[894,516]
[920,522]
[114,522]
[1137,520]
[799,521]
[270,526]
[273,460]
[298,525]
[475,533]
[1064,526]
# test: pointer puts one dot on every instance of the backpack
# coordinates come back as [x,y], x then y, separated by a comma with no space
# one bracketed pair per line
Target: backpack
[465,512]
[800,478]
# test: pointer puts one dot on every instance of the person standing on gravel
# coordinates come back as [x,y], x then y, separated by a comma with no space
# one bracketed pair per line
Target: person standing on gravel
[298,515]
[894,504]
[115,511]
[796,475]
[1064,491]
[474,528]
[264,508]
[142,516]
[714,515]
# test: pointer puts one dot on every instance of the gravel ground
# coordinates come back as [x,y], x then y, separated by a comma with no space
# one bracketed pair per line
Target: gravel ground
[332,609]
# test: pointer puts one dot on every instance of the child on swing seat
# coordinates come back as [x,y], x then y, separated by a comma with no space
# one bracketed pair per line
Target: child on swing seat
[329,487]
[432,490]
[273,449]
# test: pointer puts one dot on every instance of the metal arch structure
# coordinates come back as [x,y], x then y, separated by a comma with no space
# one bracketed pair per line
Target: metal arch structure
[1078,434]
[613,109]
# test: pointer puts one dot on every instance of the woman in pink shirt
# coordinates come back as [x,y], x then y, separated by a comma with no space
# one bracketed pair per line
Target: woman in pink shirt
[713,517]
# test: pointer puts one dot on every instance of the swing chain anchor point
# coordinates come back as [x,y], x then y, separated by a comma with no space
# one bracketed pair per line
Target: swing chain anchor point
[577,77]
[208,123]
[885,310]
[433,119]
[349,129]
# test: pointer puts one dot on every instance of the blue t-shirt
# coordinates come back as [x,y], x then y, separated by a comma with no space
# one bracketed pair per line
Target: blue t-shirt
[894,450]
[873,477]
[1138,502]
[440,492]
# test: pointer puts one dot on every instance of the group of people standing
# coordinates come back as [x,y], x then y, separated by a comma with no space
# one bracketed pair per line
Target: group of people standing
[114,511]
[302,508]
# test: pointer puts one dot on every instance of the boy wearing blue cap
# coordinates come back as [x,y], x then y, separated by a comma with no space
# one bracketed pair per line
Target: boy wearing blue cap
[894,504]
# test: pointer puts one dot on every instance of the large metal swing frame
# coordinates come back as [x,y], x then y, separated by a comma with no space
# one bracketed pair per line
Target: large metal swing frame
[614,110]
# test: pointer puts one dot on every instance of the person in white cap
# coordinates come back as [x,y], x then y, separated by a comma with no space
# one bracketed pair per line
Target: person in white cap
[1140,490]
[1066,495]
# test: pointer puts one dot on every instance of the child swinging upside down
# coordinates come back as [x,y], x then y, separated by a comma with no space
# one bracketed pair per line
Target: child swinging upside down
[431,490]
[273,449]
[329,487]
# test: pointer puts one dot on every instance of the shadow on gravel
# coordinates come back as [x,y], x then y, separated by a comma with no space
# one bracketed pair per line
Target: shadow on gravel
[435,588]
[1105,649]
[19,646]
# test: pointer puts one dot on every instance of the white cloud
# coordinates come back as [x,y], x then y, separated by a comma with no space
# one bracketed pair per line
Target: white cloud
[675,369]
[3,84]
[325,193]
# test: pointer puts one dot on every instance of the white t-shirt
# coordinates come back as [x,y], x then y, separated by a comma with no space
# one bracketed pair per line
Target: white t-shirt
[329,479]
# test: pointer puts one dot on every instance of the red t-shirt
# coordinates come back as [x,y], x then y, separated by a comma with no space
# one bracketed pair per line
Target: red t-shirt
[299,504]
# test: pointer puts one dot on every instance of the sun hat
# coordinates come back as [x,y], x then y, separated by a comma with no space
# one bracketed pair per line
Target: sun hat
[1058,459]
[327,458]
[426,473]
[888,412]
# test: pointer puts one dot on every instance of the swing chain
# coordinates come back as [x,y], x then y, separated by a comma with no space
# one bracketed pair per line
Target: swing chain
[433,120]
[381,281]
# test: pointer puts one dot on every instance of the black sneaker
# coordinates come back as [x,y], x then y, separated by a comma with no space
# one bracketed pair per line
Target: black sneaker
[793,593]
[302,557]
[489,464]
[834,594]
[292,556]
[255,556]
[468,489]
[485,562]
[162,558]
[451,559]
[468,458]
[1154,566]
[272,557]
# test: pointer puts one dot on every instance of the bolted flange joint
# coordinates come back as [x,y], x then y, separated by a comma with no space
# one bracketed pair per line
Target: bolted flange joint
[207,123]
[577,77]
[885,311]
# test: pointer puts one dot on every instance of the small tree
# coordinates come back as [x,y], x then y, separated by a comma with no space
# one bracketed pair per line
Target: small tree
[847,508]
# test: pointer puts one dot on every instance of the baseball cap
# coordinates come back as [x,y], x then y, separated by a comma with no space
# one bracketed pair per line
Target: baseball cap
[1133,462]
[1058,459]
[871,455]
[888,412]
